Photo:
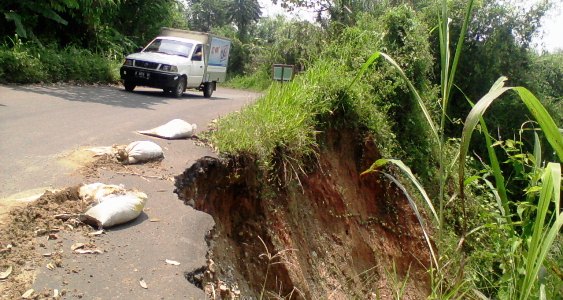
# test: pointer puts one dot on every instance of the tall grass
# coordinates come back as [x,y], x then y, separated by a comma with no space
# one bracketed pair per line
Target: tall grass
[259,81]
[534,244]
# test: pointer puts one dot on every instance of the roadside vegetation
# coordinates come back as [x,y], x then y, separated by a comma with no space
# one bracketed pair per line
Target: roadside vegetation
[425,80]
[495,210]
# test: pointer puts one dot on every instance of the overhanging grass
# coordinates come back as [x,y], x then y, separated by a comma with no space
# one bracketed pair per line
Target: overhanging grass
[284,117]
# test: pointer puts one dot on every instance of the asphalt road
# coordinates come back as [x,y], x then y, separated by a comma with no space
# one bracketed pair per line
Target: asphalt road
[42,126]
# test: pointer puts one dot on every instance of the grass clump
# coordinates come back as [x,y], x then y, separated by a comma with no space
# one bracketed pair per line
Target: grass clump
[284,117]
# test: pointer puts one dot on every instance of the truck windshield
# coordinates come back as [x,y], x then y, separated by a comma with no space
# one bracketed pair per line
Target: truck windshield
[171,47]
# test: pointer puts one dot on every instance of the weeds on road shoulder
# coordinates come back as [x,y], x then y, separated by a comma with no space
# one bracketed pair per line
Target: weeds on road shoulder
[259,81]
[28,63]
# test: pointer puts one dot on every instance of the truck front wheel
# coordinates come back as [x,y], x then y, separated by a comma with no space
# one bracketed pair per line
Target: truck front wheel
[180,87]
[208,89]
[129,86]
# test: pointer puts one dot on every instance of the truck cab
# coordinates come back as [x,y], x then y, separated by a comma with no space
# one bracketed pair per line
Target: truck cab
[176,60]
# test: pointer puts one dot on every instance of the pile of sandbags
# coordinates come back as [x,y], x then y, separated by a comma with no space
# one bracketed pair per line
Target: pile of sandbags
[113,204]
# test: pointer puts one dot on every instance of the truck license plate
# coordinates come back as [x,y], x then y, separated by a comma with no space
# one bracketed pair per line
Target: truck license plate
[142,74]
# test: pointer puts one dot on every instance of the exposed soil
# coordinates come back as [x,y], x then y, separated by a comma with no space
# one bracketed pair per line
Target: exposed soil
[91,169]
[327,234]
[29,238]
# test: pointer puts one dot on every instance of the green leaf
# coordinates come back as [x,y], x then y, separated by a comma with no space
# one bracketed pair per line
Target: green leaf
[500,190]
[542,237]
[533,189]
[48,13]
[13,16]
[536,108]
[554,137]
[473,118]
[471,179]
[537,151]
[365,67]
[459,48]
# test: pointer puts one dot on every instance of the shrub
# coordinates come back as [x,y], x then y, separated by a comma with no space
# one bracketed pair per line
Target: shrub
[28,63]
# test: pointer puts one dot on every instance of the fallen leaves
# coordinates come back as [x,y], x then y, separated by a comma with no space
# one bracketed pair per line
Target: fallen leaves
[77,246]
[143,283]
[96,233]
[81,248]
[172,262]
[27,294]
[7,249]
[88,251]
[5,274]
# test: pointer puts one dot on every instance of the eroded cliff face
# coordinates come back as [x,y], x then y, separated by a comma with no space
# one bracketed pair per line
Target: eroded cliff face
[329,234]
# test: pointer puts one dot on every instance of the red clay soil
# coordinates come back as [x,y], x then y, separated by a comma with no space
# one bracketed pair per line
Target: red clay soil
[330,234]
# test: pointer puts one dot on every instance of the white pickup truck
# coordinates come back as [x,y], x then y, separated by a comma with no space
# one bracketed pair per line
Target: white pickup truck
[176,60]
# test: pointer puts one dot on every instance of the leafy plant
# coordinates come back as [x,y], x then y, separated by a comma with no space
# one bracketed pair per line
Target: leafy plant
[543,234]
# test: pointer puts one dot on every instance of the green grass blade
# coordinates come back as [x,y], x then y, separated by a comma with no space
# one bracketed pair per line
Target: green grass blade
[415,94]
[536,108]
[365,67]
[500,190]
[418,216]
[383,161]
[471,121]
[537,150]
[459,48]
[500,203]
[16,18]
[552,134]
[498,84]
[411,87]
[541,242]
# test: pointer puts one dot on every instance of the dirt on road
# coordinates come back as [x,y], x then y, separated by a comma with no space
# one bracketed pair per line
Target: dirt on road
[46,132]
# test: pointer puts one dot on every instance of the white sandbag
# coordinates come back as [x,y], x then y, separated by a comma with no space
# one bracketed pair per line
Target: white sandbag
[175,129]
[97,191]
[141,151]
[118,209]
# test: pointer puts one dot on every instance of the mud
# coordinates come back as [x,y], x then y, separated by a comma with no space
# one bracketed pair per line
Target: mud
[30,232]
[327,234]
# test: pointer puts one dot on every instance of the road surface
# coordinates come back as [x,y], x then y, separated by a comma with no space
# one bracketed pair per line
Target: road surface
[41,129]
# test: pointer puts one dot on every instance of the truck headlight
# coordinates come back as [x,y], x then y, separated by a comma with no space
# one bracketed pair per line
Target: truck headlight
[169,68]
[128,62]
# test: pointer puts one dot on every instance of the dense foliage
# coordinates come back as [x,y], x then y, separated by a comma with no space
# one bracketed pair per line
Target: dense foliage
[85,40]
[500,240]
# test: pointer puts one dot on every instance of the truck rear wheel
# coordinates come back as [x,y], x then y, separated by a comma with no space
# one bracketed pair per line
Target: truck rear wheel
[180,87]
[208,89]
[129,86]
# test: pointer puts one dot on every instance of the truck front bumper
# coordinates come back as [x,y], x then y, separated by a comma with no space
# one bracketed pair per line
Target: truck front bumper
[151,78]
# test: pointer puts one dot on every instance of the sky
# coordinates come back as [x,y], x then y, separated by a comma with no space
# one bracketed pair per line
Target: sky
[550,40]
[553,31]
